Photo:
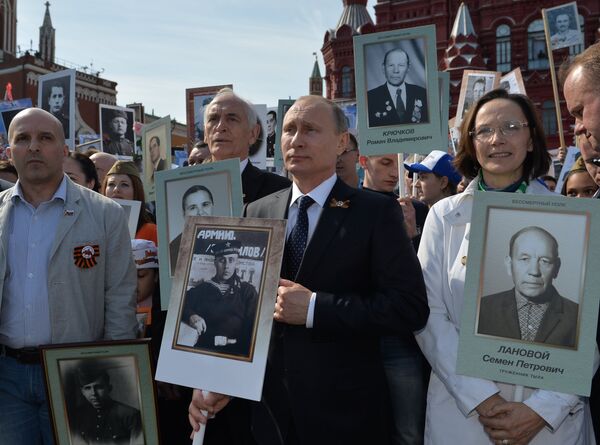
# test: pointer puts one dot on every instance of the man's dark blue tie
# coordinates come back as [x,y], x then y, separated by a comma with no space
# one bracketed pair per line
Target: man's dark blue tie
[296,243]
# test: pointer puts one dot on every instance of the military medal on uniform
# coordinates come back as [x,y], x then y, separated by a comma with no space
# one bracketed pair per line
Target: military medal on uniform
[85,256]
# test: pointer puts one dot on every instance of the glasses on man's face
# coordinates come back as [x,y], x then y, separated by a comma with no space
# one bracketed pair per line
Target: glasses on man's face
[485,133]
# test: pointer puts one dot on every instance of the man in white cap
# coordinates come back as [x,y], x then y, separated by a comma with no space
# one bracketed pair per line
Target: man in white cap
[437,178]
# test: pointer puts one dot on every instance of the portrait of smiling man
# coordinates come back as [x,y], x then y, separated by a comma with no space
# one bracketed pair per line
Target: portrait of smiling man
[396,101]
[533,310]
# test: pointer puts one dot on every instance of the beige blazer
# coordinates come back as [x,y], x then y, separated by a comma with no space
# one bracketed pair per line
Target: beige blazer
[86,304]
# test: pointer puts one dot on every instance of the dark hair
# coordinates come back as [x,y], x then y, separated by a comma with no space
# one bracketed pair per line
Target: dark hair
[194,189]
[157,140]
[563,190]
[589,60]
[450,188]
[138,195]
[87,167]
[353,140]
[548,178]
[528,229]
[536,161]
[395,50]
[272,112]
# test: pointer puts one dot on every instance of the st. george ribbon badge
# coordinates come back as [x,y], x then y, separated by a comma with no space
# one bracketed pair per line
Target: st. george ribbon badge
[85,256]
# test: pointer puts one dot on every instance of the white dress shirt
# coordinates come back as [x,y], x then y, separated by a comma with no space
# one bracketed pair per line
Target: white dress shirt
[319,194]
[392,89]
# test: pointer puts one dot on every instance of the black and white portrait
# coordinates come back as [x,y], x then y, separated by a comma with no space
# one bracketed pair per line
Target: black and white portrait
[534,267]
[512,82]
[257,152]
[205,195]
[271,132]
[200,103]
[396,79]
[156,150]
[219,310]
[116,127]
[56,94]
[563,22]
[102,400]
[474,85]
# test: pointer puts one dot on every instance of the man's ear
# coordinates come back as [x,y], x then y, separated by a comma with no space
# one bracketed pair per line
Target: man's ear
[444,182]
[508,264]
[362,160]
[9,152]
[342,143]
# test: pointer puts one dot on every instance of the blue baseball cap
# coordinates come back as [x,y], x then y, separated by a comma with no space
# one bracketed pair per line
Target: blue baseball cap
[437,162]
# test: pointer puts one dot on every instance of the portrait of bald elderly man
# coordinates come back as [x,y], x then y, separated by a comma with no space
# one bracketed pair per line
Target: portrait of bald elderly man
[532,310]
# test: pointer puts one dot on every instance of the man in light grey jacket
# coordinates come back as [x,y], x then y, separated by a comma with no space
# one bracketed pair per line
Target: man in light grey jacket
[66,271]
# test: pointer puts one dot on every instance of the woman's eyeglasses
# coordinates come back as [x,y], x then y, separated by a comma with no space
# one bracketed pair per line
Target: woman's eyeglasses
[508,129]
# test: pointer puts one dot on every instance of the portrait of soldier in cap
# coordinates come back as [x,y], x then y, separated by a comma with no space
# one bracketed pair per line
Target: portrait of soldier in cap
[117,136]
[99,419]
[222,310]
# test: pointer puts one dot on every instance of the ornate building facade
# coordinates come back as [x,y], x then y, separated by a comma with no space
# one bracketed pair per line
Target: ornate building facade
[497,35]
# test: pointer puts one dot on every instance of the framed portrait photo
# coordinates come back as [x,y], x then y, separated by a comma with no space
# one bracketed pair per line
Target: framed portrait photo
[397,91]
[512,82]
[196,99]
[8,110]
[563,25]
[474,84]
[56,95]
[116,128]
[132,213]
[101,392]
[221,307]
[531,291]
[213,189]
[282,108]
[156,152]
[258,151]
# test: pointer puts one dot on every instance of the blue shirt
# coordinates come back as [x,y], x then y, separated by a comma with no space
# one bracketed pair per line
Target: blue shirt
[25,311]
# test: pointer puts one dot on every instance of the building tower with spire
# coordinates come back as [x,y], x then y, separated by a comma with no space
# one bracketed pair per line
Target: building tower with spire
[316,81]
[8,32]
[47,46]
[338,52]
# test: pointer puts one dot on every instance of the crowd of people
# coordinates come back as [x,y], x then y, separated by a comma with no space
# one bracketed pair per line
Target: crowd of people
[367,316]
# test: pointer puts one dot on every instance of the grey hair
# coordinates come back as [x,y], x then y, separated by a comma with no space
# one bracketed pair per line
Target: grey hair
[248,106]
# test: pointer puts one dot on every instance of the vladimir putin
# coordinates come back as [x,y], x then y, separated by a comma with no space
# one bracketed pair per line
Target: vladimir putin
[533,310]
[396,102]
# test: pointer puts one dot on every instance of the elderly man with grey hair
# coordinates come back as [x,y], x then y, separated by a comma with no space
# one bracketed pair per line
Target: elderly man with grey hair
[230,128]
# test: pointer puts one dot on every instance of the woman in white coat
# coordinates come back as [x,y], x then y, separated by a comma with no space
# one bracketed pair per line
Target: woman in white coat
[503,147]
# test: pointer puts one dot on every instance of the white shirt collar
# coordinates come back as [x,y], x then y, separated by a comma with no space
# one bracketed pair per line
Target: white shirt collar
[319,193]
[60,193]
[392,89]
[243,165]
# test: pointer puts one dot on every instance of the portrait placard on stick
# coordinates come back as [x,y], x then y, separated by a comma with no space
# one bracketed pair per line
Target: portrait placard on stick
[512,82]
[397,91]
[111,378]
[156,151]
[195,101]
[283,106]
[474,84]
[56,95]
[221,307]
[213,189]
[116,128]
[563,25]
[531,291]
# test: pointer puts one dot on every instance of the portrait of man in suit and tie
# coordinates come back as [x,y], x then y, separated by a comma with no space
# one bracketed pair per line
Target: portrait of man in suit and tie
[397,101]
[533,310]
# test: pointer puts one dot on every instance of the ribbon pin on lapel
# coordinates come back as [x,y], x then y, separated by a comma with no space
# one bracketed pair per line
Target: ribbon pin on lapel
[342,204]
[85,256]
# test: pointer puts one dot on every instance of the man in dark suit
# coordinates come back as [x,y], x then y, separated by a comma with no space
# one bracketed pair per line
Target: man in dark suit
[230,128]
[157,163]
[349,275]
[533,310]
[396,102]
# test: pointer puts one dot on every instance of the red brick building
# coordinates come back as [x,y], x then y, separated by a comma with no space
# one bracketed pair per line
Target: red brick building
[497,35]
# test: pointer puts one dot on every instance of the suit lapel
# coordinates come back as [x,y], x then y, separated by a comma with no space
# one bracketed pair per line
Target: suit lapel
[552,318]
[70,215]
[511,315]
[250,183]
[332,217]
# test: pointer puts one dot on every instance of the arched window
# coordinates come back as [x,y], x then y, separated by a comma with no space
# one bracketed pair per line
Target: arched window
[503,58]
[549,117]
[536,46]
[347,82]
[576,49]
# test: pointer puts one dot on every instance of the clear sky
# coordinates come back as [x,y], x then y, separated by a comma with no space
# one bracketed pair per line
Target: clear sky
[155,49]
